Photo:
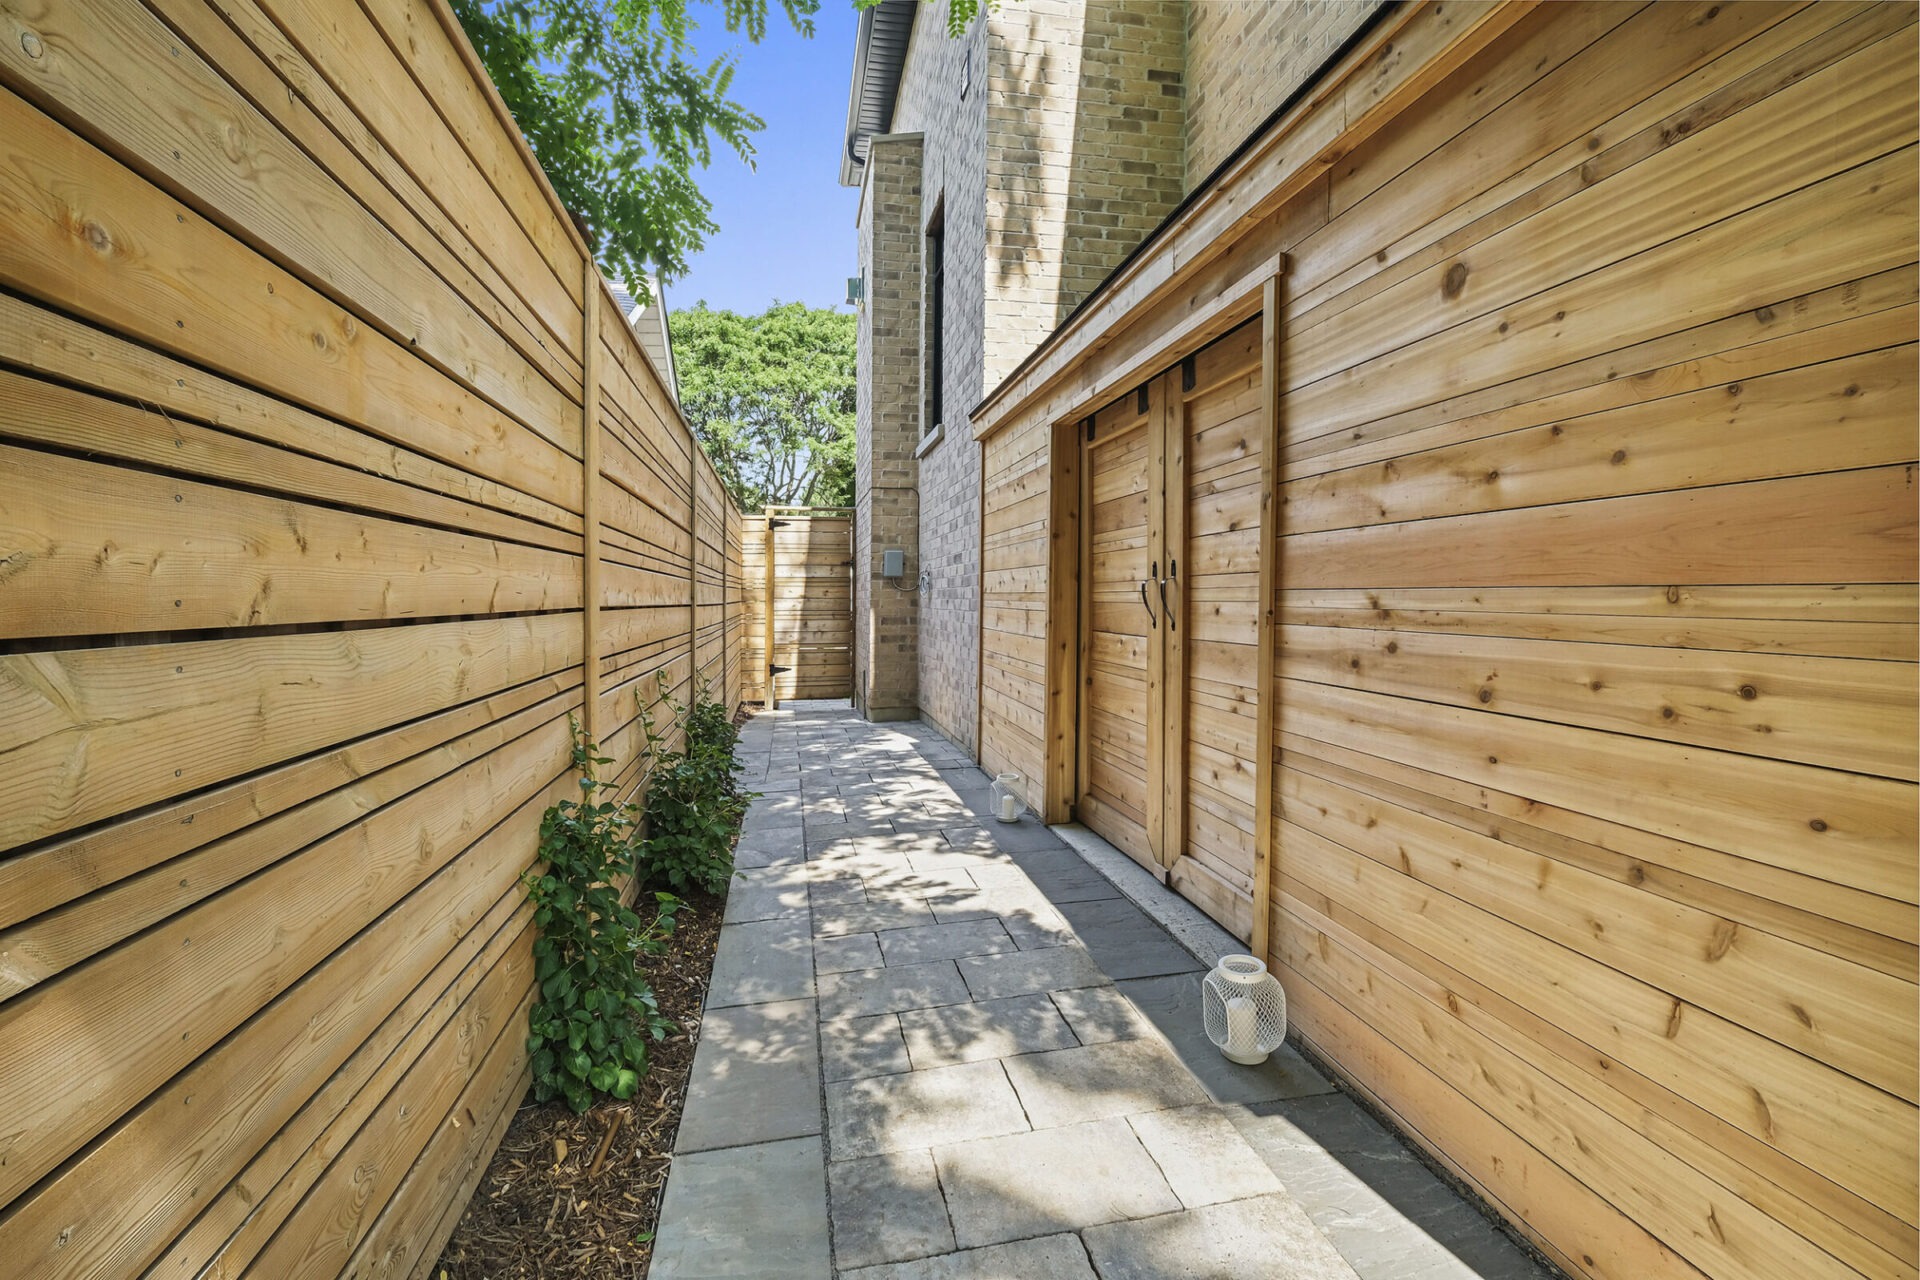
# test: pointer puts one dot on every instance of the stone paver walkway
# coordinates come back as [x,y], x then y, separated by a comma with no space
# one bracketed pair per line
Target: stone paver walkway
[939,1047]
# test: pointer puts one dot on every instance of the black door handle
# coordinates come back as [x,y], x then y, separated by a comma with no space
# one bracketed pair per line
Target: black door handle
[1172,624]
[1147,605]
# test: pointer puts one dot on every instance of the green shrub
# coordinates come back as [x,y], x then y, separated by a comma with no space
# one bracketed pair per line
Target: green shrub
[694,805]
[594,1013]
[710,730]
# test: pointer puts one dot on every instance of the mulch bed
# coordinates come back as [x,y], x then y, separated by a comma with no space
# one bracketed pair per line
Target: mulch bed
[577,1197]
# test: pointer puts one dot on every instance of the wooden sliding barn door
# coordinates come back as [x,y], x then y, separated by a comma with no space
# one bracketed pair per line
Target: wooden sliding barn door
[1170,730]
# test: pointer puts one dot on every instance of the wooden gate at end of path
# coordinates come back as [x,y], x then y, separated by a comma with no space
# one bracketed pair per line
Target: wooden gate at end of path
[798,568]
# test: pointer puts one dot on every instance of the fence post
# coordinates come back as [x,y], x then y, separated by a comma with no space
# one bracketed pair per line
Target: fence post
[590,497]
[772,701]
[693,566]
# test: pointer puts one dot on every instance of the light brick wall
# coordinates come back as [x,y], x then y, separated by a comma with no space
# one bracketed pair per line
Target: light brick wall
[1246,57]
[1064,152]
[954,172]
[887,508]
[1085,130]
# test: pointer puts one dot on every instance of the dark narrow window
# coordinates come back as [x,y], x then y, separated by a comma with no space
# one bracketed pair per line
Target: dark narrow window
[936,318]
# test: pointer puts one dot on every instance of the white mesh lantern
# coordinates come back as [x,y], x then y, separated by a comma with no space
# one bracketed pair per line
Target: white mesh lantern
[1008,797]
[1245,1009]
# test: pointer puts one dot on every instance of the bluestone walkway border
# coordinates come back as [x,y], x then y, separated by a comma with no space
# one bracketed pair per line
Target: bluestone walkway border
[939,1047]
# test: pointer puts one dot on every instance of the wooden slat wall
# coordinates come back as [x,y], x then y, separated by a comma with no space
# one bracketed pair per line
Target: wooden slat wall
[291,588]
[1016,468]
[1595,700]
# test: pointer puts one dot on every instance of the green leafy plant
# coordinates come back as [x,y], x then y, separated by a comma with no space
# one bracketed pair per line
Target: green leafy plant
[595,1013]
[694,804]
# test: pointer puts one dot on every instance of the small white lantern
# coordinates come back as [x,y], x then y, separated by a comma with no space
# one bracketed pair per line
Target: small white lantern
[1008,798]
[1245,1009]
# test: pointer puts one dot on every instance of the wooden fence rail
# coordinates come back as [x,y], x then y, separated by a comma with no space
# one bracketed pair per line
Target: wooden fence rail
[332,482]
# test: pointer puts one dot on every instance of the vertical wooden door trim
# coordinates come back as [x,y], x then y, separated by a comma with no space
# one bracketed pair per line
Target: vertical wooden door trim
[1170,424]
[590,499]
[1264,693]
[1156,638]
[1066,607]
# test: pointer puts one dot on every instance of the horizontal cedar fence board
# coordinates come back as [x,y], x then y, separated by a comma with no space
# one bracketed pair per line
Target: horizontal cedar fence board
[500,210]
[142,552]
[99,71]
[1857,526]
[78,723]
[1531,168]
[1847,714]
[1788,246]
[1594,609]
[46,413]
[1849,828]
[93,236]
[293,512]
[1803,620]
[256,58]
[1849,413]
[1811,328]
[182,396]
[50,943]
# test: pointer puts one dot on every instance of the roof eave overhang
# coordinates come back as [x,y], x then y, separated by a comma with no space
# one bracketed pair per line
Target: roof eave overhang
[879,56]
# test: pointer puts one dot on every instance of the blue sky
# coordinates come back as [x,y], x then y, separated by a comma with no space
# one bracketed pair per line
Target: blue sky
[786,227]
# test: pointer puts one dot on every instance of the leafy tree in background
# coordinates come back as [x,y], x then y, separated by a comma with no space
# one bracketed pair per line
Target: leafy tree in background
[618,110]
[771,397]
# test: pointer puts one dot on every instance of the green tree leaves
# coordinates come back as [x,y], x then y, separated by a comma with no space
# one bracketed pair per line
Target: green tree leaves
[771,398]
[619,111]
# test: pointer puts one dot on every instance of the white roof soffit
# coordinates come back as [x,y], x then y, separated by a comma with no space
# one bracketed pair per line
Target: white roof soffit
[879,55]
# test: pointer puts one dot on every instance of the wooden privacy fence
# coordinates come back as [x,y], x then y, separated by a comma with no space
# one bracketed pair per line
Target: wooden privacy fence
[799,567]
[308,549]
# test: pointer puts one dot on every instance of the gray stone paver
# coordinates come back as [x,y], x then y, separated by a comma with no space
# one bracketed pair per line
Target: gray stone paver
[930,1108]
[1004,1056]
[1098,1081]
[844,952]
[926,942]
[766,893]
[855,1047]
[762,961]
[1100,1014]
[1031,1184]
[1060,1257]
[1125,942]
[755,1078]
[1271,1237]
[888,1209]
[1202,1156]
[860,992]
[757,1213]
[990,1029]
[1022,973]
[871,917]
